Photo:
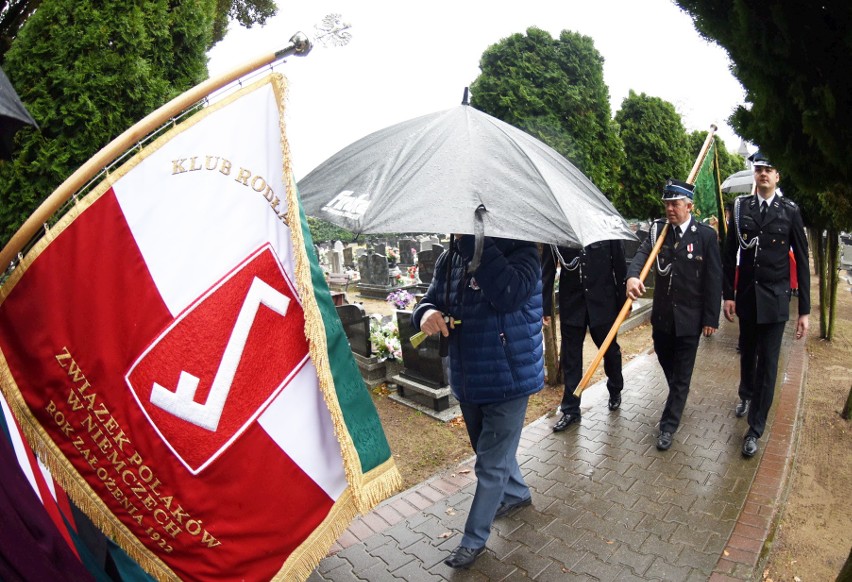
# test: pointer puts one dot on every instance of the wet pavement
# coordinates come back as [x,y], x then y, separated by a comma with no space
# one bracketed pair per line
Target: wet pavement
[607,505]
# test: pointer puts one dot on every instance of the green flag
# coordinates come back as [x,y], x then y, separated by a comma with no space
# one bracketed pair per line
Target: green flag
[708,194]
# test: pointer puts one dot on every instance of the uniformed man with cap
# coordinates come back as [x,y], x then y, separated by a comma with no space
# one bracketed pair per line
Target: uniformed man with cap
[687,296]
[591,293]
[764,228]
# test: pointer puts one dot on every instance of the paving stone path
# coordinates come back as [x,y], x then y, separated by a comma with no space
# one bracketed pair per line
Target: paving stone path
[607,505]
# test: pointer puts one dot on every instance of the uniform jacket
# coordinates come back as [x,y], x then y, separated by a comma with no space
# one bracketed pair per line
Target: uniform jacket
[688,295]
[763,285]
[593,283]
[496,353]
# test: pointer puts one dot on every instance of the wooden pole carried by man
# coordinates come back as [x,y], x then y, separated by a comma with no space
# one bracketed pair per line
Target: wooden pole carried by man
[628,303]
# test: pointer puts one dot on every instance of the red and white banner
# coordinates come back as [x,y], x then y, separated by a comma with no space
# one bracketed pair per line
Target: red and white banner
[154,346]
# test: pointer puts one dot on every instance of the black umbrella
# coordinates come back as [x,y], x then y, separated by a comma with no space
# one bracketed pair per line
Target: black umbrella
[448,171]
[13,116]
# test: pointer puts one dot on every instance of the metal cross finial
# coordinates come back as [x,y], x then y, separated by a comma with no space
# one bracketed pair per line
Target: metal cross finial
[332,31]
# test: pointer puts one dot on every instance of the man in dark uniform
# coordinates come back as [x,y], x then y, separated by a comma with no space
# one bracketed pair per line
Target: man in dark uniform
[765,227]
[591,293]
[687,296]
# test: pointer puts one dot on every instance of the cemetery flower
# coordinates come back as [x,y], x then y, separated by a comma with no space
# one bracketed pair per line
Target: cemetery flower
[384,335]
[400,298]
[392,254]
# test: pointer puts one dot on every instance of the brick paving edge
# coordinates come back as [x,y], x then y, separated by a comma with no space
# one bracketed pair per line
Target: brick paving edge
[747,550]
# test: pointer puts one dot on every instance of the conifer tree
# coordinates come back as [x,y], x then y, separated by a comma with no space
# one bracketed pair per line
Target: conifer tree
[554,89]
[87,71]
[656,148]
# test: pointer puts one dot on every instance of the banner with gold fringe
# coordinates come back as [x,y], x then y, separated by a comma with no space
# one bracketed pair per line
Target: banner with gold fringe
[171,351]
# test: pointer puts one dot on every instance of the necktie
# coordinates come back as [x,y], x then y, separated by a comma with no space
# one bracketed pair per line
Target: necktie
[763,206]
[676,236]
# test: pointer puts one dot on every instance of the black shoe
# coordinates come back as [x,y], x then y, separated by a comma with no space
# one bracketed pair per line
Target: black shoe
[664,441]
[749,446]
[507,508]
[742,408]
[463,557]
[566,421]
[615,402]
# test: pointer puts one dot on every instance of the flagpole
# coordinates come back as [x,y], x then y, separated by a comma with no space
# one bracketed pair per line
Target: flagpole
[299,45]
[628,304]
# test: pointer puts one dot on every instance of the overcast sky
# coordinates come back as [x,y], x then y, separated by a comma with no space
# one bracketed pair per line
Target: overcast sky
[407,59]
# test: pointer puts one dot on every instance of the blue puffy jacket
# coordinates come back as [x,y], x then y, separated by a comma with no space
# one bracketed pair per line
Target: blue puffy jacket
[496,353]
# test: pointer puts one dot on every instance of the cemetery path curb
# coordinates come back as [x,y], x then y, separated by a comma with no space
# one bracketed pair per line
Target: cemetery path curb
[606,504]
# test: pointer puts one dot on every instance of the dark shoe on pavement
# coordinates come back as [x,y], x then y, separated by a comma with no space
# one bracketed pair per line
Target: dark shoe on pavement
[507,508]
[742,408]
[615,403]
[463,557]
[566,421]
[749,446]
[664,441]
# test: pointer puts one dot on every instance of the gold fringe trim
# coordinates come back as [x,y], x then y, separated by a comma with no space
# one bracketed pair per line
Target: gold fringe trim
[379,484]
[76,487]
[47,451]
[314,325]
[305,558]
[365,491]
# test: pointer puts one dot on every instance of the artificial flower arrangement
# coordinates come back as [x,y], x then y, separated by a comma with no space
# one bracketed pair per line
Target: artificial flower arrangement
[400,298]
[392,254]
[384,335]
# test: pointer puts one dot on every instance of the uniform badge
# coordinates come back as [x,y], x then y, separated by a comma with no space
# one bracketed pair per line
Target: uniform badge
[689,249]
[693,228]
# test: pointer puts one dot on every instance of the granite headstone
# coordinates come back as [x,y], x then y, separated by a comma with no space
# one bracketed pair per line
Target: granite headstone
[356,325]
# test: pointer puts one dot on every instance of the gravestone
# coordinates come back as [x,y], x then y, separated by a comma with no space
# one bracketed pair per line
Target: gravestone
[356,325]
[336,260]
[407,248]
[376,281]
[337,276]
[651,278]
[845,251]
[338,245]
[631,246]
[426,267]
[381,248]
[348,257]
[322,254]
[422,382]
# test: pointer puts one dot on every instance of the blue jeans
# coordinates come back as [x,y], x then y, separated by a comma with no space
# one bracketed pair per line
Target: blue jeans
[494,431]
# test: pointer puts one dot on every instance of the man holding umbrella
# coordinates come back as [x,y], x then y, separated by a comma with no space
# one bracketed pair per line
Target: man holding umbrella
[491,315]
[591,292]
[687,297]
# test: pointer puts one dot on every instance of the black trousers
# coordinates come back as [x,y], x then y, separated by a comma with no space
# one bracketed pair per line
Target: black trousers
[573,337]
[759,351]
[677,359]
